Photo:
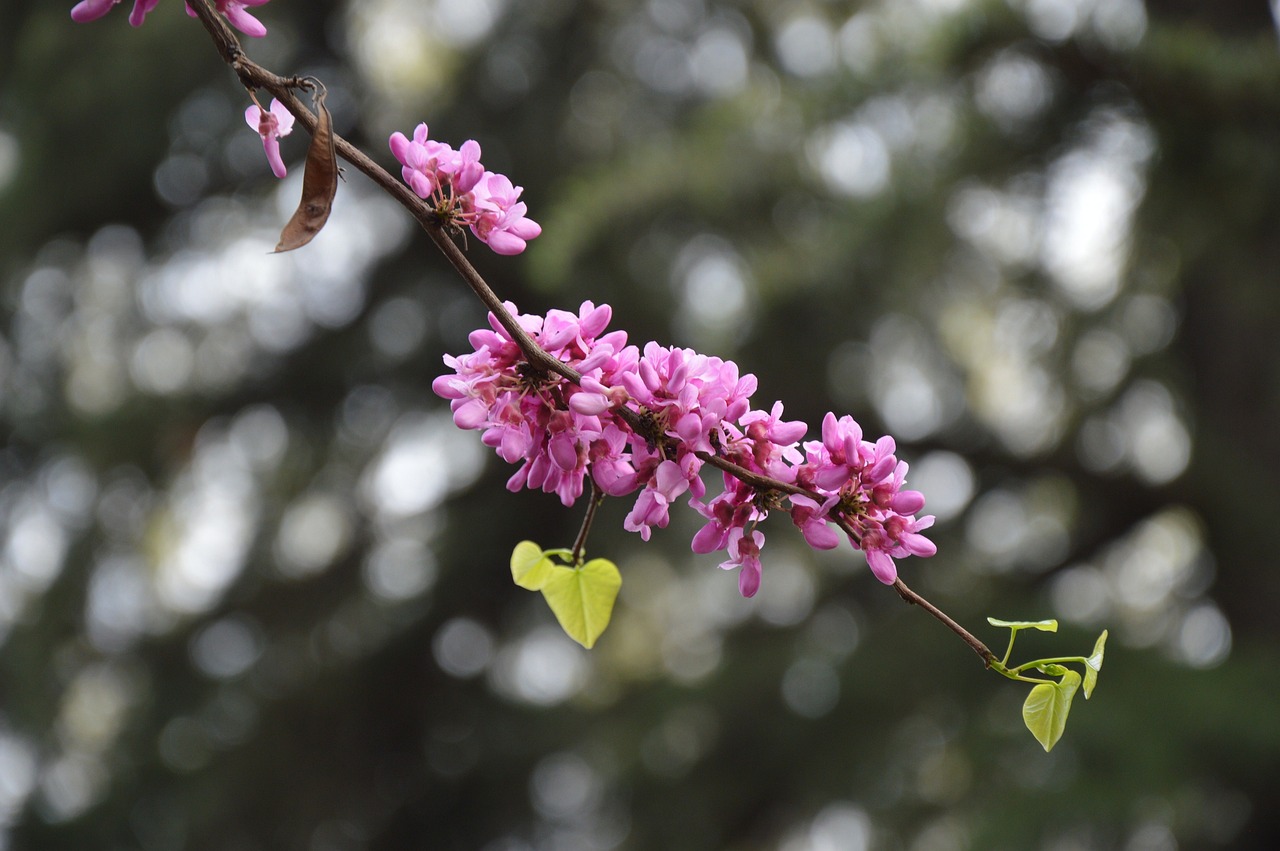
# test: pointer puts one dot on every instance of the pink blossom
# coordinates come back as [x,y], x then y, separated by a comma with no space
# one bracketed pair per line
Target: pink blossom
[651,509]
[462,192]
[898,536]
[500,220]
[690,405]
[271,126]
[744,553]
[812,519]
[239,18]
[91,10]
[464,168]
[879,560]
[596,398]
[733,509]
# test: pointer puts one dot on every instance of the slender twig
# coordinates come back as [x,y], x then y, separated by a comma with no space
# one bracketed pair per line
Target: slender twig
[253,76]
[969,638]
[597,497]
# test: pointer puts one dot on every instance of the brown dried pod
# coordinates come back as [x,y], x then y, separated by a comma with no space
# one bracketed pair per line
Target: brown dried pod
[319,183]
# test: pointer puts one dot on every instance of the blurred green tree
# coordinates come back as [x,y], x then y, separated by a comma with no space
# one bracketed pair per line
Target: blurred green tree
[253,585]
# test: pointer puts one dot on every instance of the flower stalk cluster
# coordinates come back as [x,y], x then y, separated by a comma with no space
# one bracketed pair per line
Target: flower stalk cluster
[462,192]
[647,421]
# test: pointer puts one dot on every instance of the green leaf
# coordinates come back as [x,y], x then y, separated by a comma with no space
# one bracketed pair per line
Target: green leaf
[1046,709]
[1043,626]
[1093,665]
[530,566]
[582,598]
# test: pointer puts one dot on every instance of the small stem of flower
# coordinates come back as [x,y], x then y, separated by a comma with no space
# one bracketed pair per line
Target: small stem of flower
[597,497]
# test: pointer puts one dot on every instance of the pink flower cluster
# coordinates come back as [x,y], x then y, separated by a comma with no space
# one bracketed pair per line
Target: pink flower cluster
[463,192]
[687,407]
[91,10]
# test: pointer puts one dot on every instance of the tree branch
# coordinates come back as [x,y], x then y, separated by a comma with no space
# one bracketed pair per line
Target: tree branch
[253,77]
[969,638]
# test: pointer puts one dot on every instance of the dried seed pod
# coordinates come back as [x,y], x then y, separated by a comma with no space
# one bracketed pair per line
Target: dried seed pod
[319,183]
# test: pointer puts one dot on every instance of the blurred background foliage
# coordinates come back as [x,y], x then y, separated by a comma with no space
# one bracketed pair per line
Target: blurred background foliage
[253,585]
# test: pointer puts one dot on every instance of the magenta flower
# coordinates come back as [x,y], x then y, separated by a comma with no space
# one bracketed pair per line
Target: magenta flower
[812,520]
[560,432]
[463,194]
[744,553]
[878,558]
[271,125]
[91,10]
[424,164]
[500,217]
[651,509]
[731,510]
[239,18]
[235,14]
[464,168]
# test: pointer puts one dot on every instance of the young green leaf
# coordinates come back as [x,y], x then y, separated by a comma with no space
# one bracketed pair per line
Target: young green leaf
[582,598]
[1043,626]
[530,566]
[1093,665]
[1045,711]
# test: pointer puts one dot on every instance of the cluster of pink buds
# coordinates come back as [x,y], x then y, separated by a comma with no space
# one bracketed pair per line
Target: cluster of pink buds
[681,409]
[91,10]
[462,192]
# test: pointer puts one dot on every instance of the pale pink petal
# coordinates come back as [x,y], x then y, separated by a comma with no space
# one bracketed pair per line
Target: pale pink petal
[526,229]
[91,10]
[243,21]
[918,545]
[253,116]
[749,578]
[710,538]
[819,535]
[271,144]
[284,118]
[882,566]
[505,243]
[907,502]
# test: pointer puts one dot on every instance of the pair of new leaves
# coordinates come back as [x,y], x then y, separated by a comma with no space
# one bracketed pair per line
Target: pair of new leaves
[580,595]
[1047,706]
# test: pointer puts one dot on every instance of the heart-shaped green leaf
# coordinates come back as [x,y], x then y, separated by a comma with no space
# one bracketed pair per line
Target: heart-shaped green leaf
[582,598]
[1046,709]
[530,566]
[1093,665]
[1043,626]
